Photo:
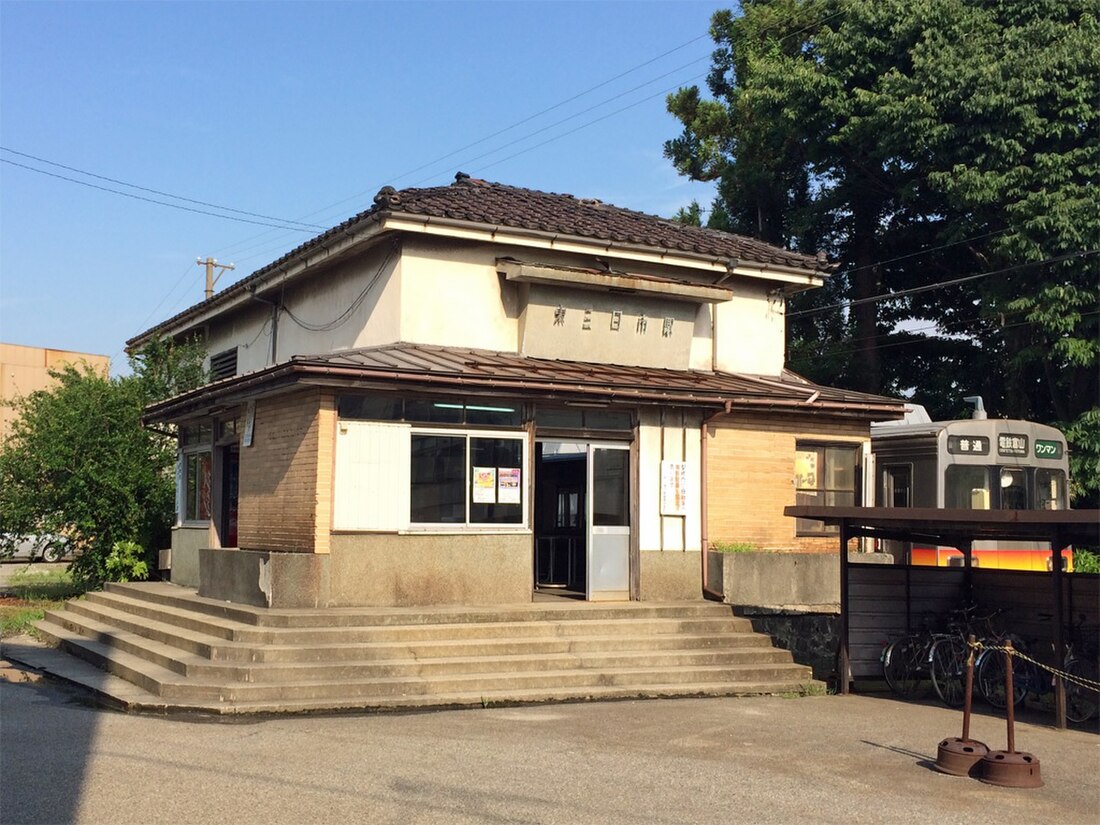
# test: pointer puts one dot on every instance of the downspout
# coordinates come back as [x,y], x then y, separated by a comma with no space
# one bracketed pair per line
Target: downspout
[275,306]
[705,550]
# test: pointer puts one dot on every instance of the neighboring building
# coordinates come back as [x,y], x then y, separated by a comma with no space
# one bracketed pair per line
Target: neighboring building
[470,392]
[24,370]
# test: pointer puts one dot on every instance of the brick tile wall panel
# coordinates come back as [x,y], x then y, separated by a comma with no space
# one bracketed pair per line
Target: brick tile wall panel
[278,508]
[750,463]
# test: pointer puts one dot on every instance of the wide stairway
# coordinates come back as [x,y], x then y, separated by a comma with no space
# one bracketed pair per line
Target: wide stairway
[195,654]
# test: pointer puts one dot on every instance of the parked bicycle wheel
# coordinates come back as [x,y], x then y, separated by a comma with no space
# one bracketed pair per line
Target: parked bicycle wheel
[901,666]
[989,676]
[1081,702]
[947,666]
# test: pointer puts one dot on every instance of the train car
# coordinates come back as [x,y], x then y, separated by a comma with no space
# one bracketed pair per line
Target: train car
[972,464]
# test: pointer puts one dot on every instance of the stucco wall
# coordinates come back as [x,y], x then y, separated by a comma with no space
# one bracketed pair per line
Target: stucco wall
[750,467]
[431,569]
[751,330]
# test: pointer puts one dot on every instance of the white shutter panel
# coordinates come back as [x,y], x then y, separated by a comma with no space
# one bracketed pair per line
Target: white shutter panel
[372,476]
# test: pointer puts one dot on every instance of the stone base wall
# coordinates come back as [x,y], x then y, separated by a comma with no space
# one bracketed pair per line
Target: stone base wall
[264,578]
[414,570]
[670,576]
[186,544]
[812,638]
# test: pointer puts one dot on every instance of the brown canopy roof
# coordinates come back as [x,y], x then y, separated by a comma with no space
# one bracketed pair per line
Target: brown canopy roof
[456,369]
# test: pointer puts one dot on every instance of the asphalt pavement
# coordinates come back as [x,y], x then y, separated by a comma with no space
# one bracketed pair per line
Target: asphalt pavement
[821,759]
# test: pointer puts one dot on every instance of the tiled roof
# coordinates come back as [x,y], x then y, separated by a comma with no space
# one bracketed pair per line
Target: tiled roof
[458,368]
[483,202]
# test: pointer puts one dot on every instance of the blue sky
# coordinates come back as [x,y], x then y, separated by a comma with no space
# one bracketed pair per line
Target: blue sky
[301,111]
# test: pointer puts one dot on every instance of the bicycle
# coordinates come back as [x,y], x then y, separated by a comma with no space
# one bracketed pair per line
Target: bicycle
[904,661]
[947,657]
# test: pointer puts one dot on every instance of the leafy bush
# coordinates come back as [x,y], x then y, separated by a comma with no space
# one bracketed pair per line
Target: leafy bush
[735,547]
[1086,561]
[125,562]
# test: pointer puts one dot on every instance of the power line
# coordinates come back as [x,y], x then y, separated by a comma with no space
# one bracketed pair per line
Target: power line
[157,191]
[151,200]
[941,284]
[920,339]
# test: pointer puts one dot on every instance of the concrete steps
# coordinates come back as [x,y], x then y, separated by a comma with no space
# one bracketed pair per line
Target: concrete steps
[197,654]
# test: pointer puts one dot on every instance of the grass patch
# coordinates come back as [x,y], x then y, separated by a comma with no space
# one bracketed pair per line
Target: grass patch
[53,585]
[30,595]
[735,547]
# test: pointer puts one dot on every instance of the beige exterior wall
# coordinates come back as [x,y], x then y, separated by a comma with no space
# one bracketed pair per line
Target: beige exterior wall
[448,292]
[451,295]
[286,475]
[24,370]
[668,435]
[750,467]
[431,569]
[751,330]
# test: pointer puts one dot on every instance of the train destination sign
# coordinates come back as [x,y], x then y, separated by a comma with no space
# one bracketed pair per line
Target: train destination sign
[1045,448]
[968,444]
[1012,444]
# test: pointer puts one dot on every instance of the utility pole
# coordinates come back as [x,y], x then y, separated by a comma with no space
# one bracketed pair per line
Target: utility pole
[210,263]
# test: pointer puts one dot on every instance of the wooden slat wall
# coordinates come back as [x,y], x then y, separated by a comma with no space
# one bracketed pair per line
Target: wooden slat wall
[877,607]
[1030,601]
[877,604]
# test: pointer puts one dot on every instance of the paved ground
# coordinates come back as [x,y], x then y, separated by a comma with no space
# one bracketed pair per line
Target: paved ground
[769,760]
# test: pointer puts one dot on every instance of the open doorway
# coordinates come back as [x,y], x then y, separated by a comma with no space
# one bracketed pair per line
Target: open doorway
[582,519]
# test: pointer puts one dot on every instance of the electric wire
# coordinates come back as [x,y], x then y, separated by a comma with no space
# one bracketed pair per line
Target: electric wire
[346,315]
[157,191]
[940,284]
[917,339]
[152,200]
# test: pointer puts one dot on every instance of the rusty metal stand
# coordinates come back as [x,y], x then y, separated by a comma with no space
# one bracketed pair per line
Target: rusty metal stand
[1009,768]
[963,756]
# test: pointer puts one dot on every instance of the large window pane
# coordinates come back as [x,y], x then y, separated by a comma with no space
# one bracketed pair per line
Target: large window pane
[433,412]
[493,415]
[823,476]
[496,489]
[370,407]
[197,485]
[966,488]
[1013,489]
[611,488]
[1050,490]
[438,480]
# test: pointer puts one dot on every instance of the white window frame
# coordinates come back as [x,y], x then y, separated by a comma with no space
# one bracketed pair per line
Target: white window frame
[467,526]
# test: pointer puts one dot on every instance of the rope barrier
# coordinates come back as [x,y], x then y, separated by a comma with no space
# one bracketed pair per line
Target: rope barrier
[1014,651]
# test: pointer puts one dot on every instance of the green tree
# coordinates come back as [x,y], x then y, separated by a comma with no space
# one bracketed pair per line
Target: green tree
[917,142]
[78,462]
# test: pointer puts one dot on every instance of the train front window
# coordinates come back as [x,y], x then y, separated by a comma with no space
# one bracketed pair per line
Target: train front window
[1050,490]
[1013,488]
[966,487]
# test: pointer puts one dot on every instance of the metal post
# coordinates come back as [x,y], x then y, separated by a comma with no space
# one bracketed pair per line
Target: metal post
[1059,632]
[844,664]
[1010,706]
[968,696]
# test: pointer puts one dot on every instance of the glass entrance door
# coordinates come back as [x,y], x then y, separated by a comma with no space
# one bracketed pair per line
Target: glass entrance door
[608,557]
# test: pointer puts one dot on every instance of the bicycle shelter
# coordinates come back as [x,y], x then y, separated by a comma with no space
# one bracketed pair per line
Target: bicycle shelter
[875,598]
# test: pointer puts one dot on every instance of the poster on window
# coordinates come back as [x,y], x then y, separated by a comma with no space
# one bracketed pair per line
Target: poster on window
[805,470]
[673,488]
[485,485]
[508,491]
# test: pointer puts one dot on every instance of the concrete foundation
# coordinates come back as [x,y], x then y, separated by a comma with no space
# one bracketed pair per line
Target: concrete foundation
[264,578]
[670,576]
[413,570]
